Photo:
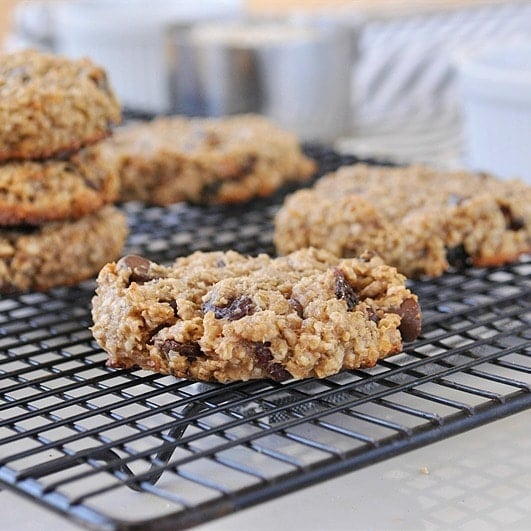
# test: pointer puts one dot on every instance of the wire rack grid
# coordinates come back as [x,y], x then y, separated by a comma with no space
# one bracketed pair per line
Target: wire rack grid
[117,449]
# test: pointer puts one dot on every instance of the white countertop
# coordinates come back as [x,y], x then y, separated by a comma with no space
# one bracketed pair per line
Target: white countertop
[476,481]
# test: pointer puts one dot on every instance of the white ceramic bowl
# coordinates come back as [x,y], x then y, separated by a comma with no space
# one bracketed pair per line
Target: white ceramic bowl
[495,84]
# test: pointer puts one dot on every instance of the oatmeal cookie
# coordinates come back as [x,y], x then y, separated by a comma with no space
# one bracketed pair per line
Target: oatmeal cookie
[201,160]
[222,316]
[34,192]
[52,105]
[418,219]
[59,253]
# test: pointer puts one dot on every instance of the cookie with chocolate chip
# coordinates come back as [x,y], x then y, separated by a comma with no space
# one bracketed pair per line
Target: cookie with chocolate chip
[60,252]
[421,220]
[51,105]
[223,316]
[204,160]
[34,192]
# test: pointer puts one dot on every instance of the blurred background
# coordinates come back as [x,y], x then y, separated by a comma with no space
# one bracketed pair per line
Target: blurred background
[446,82]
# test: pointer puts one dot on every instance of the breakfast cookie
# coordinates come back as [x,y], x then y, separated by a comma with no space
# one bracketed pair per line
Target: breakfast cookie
[52,105]
[59,253]
[222,316]
[32,192]
[420,220]
[204,160]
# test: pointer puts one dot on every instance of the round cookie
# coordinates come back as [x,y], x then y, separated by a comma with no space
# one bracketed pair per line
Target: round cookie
[204,160]
[420,220]
[34,192]
[226,317]
[60,253]
[52,105]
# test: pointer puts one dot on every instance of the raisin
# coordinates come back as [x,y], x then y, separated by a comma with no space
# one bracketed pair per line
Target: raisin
[458,257]
[410,323]
[234,310]
[190,350]
[511,222]
[264,360]
[139,267]
[344,290]
[278,373]
[263,354]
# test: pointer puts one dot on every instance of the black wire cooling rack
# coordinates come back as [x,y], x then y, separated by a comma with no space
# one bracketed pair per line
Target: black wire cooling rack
[117,449]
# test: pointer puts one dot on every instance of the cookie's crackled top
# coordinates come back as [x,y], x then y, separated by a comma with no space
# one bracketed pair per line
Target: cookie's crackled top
[51,105]
[419,219]
[225,316]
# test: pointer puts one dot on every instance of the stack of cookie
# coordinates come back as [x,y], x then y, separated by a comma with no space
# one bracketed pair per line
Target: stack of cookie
[57,222]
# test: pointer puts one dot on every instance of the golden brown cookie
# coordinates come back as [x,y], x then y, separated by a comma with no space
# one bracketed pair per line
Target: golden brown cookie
[52,105]
[60,253]
[222,316]
[200,160]
[419,219]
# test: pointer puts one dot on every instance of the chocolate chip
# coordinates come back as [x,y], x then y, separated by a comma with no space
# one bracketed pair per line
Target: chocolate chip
[190,350]
[458,257]
[511,222]
[344,290]
[234,310]
[264,360]
[139,267]
[410,323]
[297,306]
